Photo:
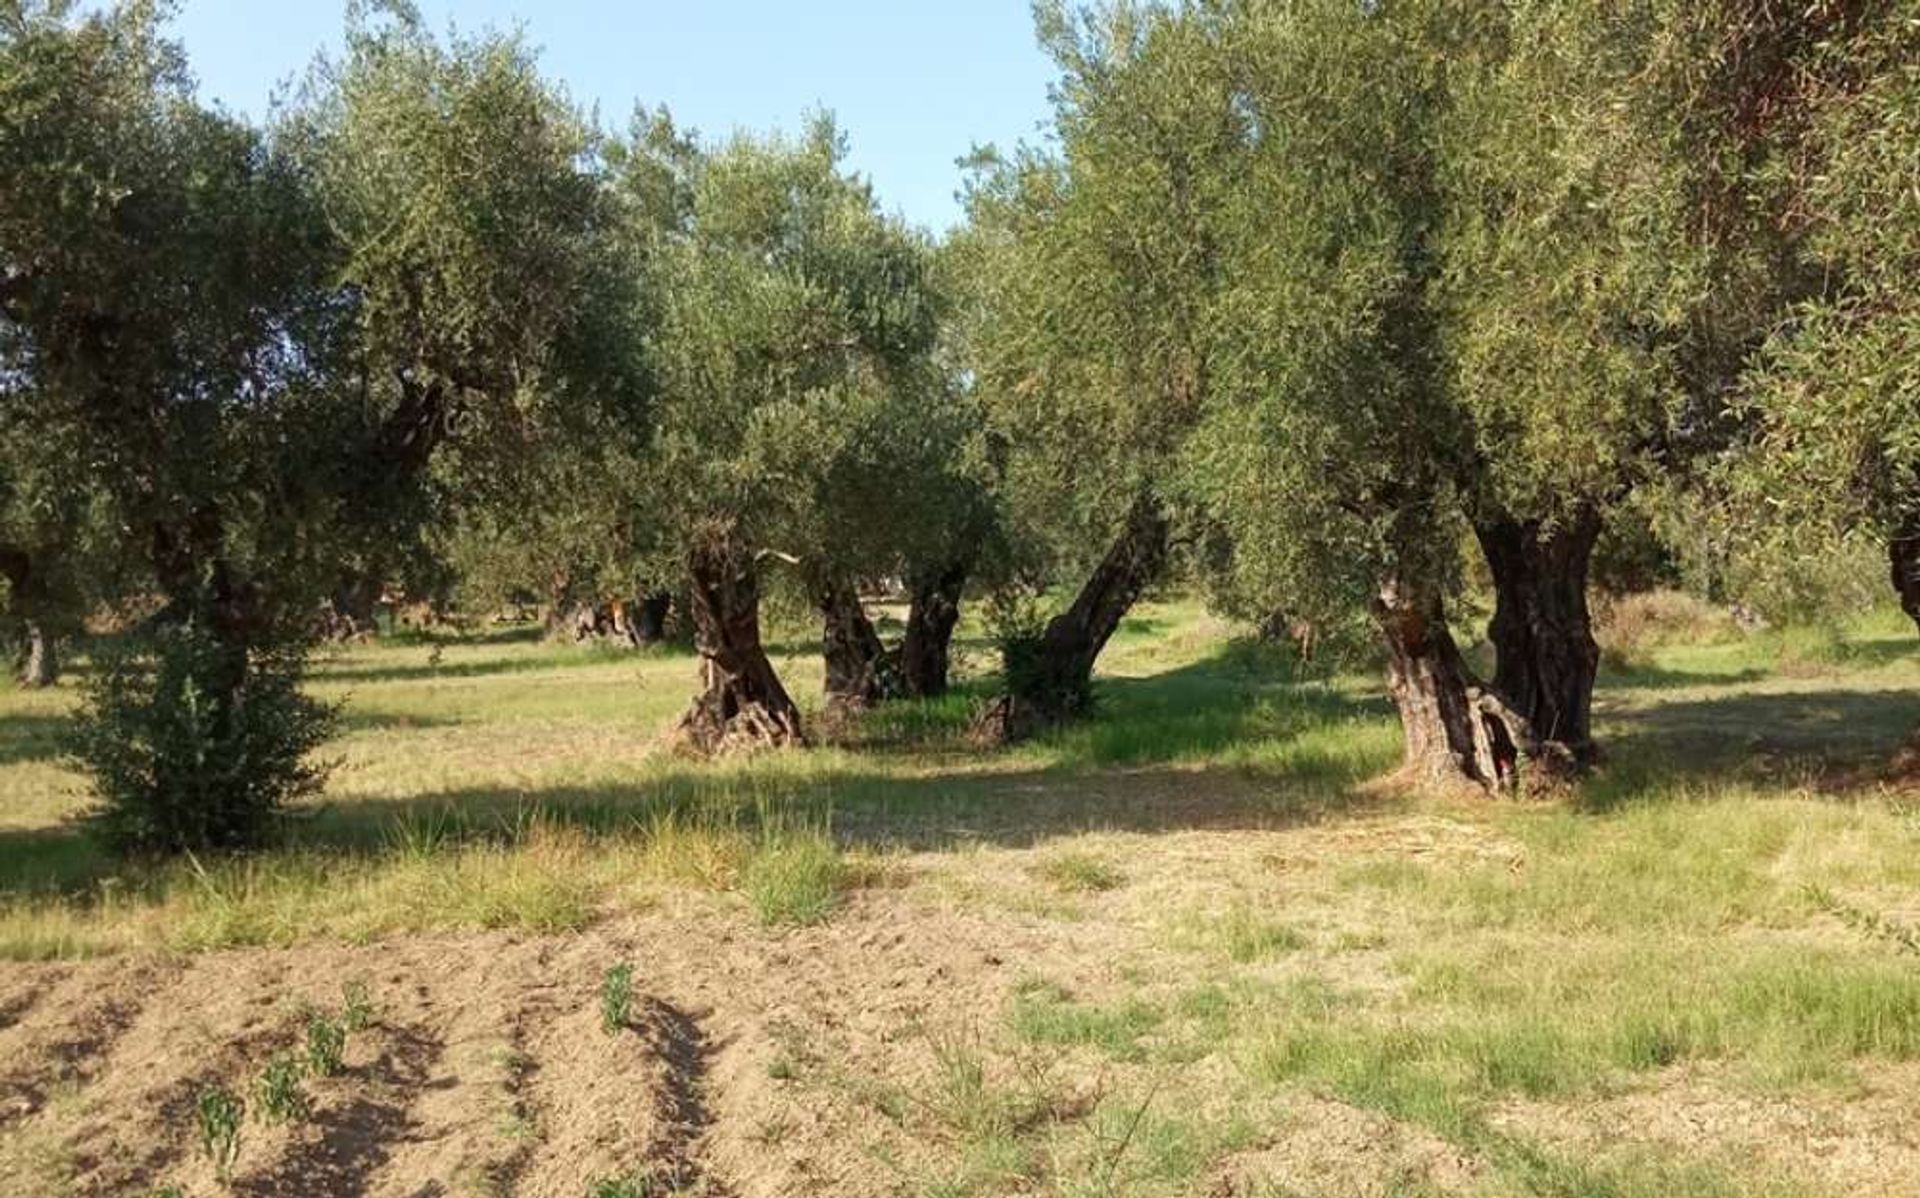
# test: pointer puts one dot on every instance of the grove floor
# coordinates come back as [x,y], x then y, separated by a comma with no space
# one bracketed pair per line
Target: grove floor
[1192,947]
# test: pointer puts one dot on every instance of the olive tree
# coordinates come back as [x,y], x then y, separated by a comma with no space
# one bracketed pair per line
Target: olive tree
[1095,267]
[794,321]
[486,263]
[169,323]
[1832,407]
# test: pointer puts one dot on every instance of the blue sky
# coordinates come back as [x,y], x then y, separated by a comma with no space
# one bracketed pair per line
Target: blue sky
[915,83]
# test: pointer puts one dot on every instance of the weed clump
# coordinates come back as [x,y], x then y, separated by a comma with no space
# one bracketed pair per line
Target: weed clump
[616,998]
[218,1114]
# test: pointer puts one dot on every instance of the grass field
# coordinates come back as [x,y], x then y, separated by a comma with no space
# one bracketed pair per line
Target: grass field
[1191,946]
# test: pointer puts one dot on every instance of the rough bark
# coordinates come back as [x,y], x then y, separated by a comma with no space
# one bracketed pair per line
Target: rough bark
[1903,558]
[1455,731]
[1051,679]
[39,665]
[857,665]
[926,652]
[742,703]
[1546,658]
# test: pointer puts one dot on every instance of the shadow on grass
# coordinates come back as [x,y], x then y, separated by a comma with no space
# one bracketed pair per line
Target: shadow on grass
[26,738]
[1661,678]
[1148,761]
[1794,738]
[561,658]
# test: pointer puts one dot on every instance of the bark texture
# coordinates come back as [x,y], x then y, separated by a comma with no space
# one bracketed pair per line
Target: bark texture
[860,672]
[926,653]
[742,704]
[1050,680]
[40,664]
[1455,731]
[1903,557]
[1546,658]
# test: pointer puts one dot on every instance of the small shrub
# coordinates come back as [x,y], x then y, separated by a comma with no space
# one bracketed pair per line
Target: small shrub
[326,1045]
[193,743]
[218,1113]
[357,1015]
[616,998]
[277,1095]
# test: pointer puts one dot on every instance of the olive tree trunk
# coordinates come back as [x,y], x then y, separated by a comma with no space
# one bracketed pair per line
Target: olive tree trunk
[1455,731]
[742,703]
[859,673]
[1050,679]
[40,664]
[39,659]
[1545,656]
[1903,557]
[926,653]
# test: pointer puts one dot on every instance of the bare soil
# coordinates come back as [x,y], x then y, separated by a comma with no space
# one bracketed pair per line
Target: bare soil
[757,1062]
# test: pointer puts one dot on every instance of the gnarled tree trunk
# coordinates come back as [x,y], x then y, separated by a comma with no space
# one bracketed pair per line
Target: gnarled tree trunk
[1051,679]
[858,669]
[1903,558]
[40,664]
[926,653]
[1454,730]
[1545,656]
[742,703]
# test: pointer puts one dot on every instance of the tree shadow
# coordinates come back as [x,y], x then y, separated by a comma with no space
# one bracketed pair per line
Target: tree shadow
[1781,738]
[1661,678]
[32,737]
[493,667]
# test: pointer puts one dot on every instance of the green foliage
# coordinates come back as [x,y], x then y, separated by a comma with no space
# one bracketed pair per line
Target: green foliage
[358,1014]
[218,1115]
[278,1097]
[1834,444]
[627,1185]
[799,406]
[193,744]
[616,998]
[326,1044]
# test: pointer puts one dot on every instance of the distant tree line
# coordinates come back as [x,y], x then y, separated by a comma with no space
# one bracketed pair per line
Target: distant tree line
[1327,306]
